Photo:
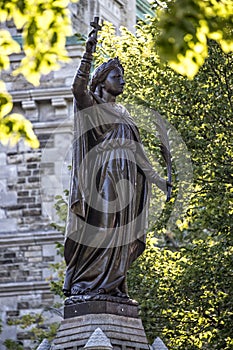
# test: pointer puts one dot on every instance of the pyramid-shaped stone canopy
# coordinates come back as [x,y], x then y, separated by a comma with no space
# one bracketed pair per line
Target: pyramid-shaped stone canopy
[98,340]
[45,345]
[159,345]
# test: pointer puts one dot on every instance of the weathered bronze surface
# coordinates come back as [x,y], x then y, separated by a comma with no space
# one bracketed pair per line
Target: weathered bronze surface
[110,182]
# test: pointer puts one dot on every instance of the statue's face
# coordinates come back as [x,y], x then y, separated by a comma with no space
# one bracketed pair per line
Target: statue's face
[114,83]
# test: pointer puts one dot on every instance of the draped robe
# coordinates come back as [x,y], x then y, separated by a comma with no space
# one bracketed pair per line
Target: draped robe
[109,196]
[109,190]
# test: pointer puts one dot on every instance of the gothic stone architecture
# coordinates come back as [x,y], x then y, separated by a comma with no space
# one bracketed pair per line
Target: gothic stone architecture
[30,179]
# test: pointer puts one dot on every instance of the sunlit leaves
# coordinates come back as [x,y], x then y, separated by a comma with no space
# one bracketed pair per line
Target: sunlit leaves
[14,126]
[44,25]
[7,47]
[5,101]
[188,294]
[186,25]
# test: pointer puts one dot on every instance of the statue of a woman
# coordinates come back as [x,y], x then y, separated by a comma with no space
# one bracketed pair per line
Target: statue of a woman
[110,182]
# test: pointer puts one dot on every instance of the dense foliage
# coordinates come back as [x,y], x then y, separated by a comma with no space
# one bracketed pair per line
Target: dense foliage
[185,27]
[185,292]
[186,295]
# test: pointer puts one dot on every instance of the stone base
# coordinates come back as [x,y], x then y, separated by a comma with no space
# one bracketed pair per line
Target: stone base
[101,307]
[123,332]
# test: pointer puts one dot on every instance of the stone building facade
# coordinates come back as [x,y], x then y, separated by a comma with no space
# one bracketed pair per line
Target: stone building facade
[30,179]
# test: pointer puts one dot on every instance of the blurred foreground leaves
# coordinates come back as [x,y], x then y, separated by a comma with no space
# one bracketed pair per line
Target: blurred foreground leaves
[184,27]
[44,25]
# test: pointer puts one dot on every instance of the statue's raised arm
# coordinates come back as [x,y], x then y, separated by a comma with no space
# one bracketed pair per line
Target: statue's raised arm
[80,84]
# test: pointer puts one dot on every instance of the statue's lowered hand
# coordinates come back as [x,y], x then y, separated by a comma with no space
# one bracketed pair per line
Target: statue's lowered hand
[162,184]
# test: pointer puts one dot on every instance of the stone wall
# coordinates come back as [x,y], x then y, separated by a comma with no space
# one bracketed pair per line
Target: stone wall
[20,191]
[24,275]
[119,12]
[29,181]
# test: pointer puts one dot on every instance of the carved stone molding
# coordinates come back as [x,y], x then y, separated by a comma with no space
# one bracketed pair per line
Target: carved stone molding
[30,109]
[24,288]
[29,238]
[41,94]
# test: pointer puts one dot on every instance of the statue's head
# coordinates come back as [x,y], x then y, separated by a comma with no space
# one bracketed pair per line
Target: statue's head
[110,72]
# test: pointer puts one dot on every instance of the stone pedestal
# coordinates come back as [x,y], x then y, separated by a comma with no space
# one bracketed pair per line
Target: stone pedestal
[119,322]
[101,307]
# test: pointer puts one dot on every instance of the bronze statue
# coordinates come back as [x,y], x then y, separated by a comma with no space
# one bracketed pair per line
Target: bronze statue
[110,183]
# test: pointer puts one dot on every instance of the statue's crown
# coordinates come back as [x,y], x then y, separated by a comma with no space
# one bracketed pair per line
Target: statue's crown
[101,72]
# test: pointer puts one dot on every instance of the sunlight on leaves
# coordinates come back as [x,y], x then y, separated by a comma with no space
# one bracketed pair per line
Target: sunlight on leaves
[185,26]
[14,126]
[5,100]
[8,46]
[45,26]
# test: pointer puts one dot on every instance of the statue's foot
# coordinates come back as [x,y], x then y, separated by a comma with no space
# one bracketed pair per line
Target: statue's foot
[74,299]
[66,292]
[79,296]
[117,293]
[75,290]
